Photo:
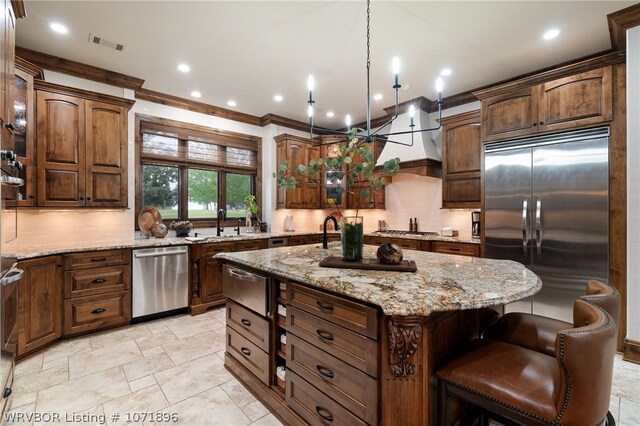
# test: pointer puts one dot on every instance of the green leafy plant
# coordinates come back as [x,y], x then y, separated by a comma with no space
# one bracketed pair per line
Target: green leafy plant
[252,205]
[353,161]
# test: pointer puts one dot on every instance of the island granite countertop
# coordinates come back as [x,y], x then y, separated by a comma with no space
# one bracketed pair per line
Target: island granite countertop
[443,282]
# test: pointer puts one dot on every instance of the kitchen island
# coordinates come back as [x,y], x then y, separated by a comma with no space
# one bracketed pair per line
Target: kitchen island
[361,346]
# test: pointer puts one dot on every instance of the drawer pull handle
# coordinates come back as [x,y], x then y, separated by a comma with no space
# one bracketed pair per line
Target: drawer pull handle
[324,306]
[328,417]
[324,335]
[245,322]
[99,259]
[98,281]
[98,311]
[245,351]
[324,371]
[454,249]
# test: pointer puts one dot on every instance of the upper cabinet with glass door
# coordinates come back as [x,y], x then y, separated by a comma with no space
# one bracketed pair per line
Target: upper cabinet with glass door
[24,128]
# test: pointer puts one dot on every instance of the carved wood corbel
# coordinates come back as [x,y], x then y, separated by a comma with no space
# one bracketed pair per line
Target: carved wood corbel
[405,334]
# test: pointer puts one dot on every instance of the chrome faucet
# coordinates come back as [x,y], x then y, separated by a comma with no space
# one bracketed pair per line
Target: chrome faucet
[238,228]
[324,232]
[222,213]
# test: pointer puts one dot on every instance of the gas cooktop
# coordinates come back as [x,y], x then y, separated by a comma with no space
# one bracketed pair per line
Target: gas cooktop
[399,232]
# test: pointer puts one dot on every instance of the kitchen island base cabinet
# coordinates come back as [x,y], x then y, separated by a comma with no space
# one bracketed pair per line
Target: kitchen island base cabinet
[347,363]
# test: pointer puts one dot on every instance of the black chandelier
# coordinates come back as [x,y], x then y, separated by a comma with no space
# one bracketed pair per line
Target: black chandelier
[375,134]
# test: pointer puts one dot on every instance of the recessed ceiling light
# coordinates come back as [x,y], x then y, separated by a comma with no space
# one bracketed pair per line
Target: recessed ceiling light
[445,72]
[59,28]
[551,34]
[231,103]
[330,114]
[377,97]
[196,94]
[184,68]
[278,98]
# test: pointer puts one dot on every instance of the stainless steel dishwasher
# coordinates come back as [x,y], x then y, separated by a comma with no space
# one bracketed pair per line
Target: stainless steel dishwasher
[160,282]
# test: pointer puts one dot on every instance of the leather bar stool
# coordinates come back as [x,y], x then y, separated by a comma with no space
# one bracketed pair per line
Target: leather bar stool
[531,388]
[539,333]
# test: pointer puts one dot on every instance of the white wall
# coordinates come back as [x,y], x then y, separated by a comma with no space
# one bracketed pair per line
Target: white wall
[633,183]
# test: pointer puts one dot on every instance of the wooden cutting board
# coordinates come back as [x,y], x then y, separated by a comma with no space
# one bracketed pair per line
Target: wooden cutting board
[370,264]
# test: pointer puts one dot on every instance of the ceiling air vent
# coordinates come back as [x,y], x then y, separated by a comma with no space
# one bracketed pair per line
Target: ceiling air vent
[106,43]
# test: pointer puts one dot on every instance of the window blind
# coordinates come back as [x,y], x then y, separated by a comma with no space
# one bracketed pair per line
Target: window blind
[217,154]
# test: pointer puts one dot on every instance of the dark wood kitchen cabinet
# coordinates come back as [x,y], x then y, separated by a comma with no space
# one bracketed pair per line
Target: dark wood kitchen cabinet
[206,288]
[461,151]
[296,150]
[82,148]
[579,100]
[39,303]
[97,291]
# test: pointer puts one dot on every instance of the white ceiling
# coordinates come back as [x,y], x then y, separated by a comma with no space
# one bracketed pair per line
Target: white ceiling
[249,51]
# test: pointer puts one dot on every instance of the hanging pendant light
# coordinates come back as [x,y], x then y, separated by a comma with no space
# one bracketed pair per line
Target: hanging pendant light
[376,134]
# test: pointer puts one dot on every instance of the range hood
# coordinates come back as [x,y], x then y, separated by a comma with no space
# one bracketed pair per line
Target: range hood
[423,156]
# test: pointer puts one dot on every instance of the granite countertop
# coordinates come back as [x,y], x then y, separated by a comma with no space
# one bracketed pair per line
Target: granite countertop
[443,282]
[29,252]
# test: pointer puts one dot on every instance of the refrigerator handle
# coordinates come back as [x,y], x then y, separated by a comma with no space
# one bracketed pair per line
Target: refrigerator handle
[538,226]
[524,226]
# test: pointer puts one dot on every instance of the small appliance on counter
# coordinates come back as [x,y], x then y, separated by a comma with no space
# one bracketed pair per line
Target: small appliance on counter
[475,224]
[449,232]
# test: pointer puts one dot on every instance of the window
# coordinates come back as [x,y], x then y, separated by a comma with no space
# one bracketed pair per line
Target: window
[189,172]
[160,189]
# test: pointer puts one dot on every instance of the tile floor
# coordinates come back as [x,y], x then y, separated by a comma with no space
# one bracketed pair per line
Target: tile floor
[174,366]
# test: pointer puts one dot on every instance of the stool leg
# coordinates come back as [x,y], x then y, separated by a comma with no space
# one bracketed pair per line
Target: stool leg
[443,404]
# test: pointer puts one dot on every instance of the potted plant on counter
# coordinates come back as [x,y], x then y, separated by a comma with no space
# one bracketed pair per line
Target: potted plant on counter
[251,209]
[354,162]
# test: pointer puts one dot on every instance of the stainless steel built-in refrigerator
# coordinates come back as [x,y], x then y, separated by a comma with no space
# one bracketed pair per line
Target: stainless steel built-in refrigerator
[547,206]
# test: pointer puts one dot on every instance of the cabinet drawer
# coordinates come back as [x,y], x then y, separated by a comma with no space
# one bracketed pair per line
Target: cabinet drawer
[249,245]
[96,259]
[249,355]
[297,241]
[462,249]
[406,243]
[352,388]
[84,314]
[344,344]
[314,406]
[209,250]
[354,316]
[96,281]
[375,241]
[250,325]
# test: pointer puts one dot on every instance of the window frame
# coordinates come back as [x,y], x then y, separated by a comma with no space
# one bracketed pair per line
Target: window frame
[238,140]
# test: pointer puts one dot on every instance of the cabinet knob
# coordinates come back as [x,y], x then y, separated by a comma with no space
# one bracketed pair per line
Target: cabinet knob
[6,393]
[31,197]
[98,311]
[10,127]
[88,198]
[535,124]
[541,123]
[81,198]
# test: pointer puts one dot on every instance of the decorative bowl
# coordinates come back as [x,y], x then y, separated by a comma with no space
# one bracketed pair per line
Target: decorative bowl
[389,254]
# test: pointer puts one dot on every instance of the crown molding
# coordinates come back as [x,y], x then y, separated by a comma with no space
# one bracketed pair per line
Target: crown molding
[30,68]
[201,107]
[620,22]
[18,8]
[78,69]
